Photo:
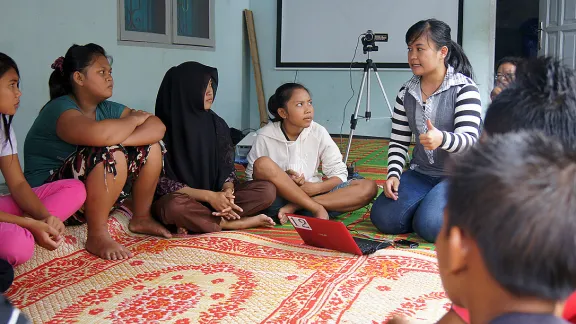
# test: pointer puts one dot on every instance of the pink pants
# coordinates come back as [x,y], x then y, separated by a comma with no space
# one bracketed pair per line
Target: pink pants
[62,199]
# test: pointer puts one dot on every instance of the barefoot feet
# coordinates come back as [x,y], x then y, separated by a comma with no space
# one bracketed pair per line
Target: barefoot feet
[288,209]
[148,225]
[321,213]
[248,222]
[103,246]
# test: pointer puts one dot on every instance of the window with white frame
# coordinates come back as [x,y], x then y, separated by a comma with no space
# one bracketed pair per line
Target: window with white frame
[178,22]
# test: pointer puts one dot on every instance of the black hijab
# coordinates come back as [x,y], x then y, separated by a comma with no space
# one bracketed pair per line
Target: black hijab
[200,152]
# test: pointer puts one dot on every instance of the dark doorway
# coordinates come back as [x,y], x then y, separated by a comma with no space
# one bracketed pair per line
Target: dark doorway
[516,28]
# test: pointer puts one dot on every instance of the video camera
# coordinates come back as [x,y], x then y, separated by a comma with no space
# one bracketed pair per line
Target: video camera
[370,38]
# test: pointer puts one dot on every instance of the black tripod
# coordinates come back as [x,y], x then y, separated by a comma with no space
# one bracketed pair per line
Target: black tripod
[369,65]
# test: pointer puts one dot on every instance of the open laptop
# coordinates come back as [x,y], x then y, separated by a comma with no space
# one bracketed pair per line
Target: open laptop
[333,235]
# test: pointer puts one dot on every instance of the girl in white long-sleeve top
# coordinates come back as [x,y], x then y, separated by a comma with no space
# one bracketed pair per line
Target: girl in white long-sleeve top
[288,152]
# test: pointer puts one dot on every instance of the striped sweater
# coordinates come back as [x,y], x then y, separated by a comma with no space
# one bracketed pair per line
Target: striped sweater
[455,109]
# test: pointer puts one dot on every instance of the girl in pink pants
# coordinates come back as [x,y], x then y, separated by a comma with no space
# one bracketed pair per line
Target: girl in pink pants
[28,215]
[61,198]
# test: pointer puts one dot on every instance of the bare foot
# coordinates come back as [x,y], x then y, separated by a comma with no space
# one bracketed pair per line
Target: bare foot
[148,225]
[398,320]
[103,246]
[288,209]
[321,213]
[248,222]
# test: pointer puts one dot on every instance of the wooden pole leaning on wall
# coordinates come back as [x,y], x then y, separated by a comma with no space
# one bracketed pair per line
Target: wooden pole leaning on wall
[256,63]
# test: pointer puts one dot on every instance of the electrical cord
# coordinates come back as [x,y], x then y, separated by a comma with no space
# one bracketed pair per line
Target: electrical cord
[351,87]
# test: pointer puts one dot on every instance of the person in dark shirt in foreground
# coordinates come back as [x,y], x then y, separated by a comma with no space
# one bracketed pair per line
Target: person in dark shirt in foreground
[541,98]
[9,314]
[506,248]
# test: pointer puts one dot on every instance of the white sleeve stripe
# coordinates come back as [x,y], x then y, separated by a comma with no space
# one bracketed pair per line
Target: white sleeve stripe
[464,140]
[398,151]
[467,118]
[403,128]
[471,139]
[470,107]
[468,95]
[451,142]
[396,158]
[466,129]
[401,118]
[456,144]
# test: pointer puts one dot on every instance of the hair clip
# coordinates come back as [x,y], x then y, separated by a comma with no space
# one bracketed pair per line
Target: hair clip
[58,64]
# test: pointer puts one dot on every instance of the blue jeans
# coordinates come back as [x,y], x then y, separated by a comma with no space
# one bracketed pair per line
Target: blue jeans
[419,208]
[280,202]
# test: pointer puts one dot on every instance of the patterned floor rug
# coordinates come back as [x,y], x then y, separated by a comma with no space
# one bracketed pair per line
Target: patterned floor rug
[227,277]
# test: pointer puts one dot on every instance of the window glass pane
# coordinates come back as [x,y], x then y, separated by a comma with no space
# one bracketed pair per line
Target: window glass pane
[193,18]
[146,16]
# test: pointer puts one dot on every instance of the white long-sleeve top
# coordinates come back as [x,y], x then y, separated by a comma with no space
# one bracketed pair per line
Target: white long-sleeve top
[313,146]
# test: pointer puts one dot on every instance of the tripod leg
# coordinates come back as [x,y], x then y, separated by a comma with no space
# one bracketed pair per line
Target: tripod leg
[354,118]
[384,93]
[368,113]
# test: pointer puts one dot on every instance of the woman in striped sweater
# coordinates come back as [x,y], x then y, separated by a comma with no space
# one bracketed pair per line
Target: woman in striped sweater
[441,105]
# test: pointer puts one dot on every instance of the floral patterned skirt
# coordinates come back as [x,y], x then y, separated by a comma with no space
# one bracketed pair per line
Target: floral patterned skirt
[80,163]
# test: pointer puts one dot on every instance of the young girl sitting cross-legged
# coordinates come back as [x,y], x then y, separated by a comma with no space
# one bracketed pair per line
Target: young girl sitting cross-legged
[27,215]
[199,193]
[116,151]
[288,151]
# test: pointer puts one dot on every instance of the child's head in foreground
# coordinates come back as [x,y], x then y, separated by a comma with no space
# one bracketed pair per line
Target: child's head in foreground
[509,224]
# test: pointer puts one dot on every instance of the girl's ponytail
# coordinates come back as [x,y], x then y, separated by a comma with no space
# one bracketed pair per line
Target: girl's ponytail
[458,60]
[273,107]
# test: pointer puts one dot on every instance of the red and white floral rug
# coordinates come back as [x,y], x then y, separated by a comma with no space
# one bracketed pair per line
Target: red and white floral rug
[228,277]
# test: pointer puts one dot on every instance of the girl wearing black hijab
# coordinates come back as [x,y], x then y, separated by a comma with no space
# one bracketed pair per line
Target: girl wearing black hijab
[199,192]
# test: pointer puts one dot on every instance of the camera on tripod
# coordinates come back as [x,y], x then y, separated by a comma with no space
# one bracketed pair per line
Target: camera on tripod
[370,38]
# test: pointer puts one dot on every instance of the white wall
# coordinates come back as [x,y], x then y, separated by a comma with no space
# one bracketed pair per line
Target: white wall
[331,89]
[329,36]
[35,33]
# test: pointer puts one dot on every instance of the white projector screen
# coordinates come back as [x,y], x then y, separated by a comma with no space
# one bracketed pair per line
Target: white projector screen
[324,33]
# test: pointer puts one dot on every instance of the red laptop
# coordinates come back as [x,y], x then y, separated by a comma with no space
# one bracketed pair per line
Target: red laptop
[333,235]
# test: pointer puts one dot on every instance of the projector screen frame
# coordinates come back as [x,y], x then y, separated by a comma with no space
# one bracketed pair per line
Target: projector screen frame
[344,65]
